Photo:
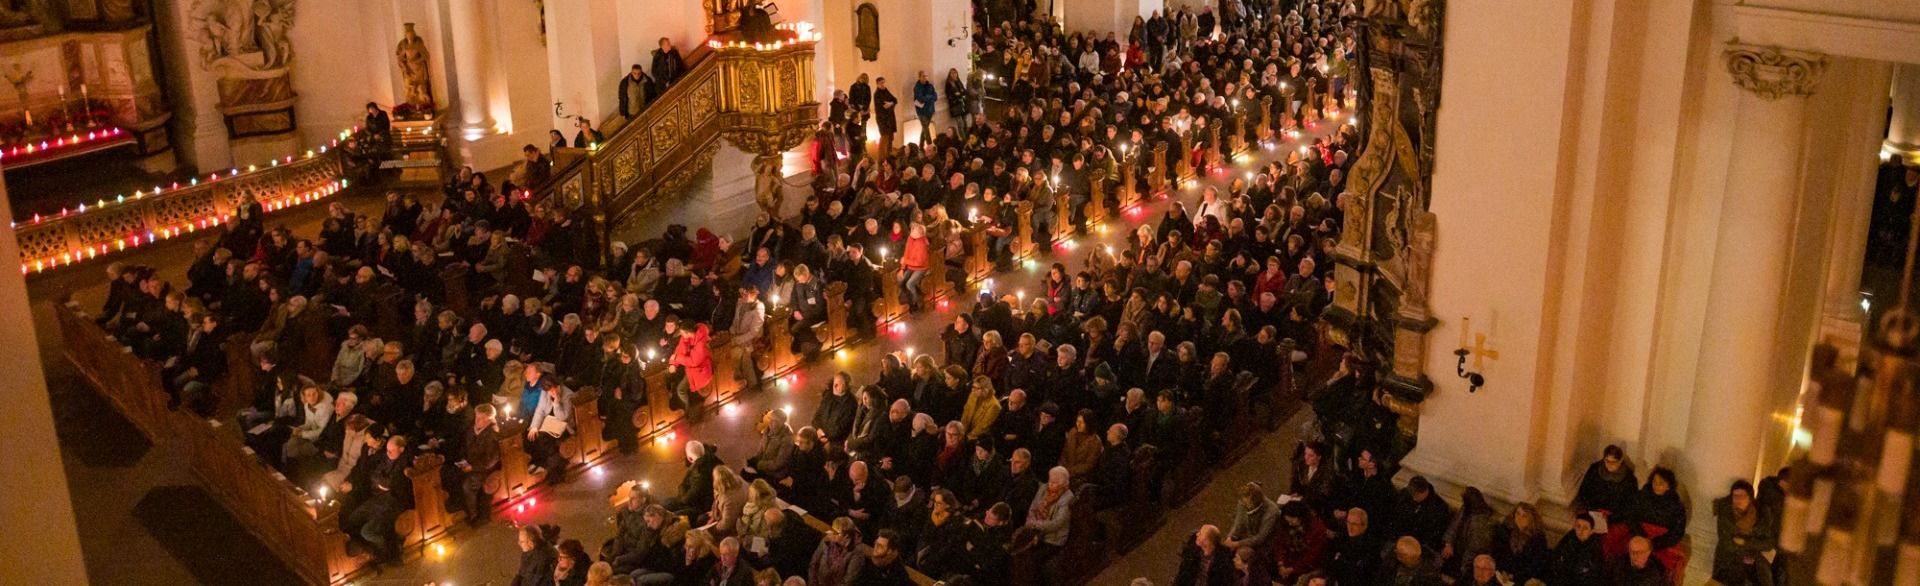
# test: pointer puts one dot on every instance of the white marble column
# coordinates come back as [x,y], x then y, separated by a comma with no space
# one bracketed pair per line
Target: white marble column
[1849,108]
[37,509]
[1742,344]
[1903,131]
[467,20]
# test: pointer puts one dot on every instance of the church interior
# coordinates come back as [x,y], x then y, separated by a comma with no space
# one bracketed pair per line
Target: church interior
[1030,292]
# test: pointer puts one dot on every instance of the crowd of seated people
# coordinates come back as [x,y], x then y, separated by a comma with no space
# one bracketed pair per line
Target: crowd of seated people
[1351,526]
[1035,410]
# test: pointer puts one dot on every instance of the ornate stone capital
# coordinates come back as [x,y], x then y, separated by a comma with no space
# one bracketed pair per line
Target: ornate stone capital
[1772,73]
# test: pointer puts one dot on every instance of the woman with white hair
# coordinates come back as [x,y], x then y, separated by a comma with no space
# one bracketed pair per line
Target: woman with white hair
[1049,515]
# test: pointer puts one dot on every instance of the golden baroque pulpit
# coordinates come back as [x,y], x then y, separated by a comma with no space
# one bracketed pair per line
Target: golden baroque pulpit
[1383,270]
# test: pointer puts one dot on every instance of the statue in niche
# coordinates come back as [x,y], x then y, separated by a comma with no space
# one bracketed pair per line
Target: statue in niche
[866,36]
[766,184]
[232,29]
[414,69]
[1420,257]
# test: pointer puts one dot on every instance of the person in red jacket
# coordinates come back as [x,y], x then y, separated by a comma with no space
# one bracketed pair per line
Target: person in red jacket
[693,364]
[1298,543]
[913,267]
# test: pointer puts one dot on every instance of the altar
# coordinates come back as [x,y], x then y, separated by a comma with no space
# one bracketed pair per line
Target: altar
[82,83]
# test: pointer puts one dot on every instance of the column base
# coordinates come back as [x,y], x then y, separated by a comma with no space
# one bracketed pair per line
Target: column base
[259,149]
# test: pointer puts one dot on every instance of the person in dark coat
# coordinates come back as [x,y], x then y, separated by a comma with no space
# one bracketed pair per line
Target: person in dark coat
[537,558]
[1608,484]
[696,487]
[1421,514]
[479,457]
[884,564]
[1639,567]
[1205,562]
[385,491]
[1579,559]
[668,67]
[834,416]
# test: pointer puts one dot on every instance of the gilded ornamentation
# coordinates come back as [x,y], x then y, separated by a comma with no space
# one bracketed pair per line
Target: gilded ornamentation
[570,191]
[1773,74]
[750,98]
[626,169]
[790,88]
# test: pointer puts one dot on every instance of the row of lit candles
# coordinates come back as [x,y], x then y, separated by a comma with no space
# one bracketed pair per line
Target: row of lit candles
[94,250]
[194,181]
[59,142]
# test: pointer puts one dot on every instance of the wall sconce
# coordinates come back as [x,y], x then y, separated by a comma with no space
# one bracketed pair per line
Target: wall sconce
[1474,379]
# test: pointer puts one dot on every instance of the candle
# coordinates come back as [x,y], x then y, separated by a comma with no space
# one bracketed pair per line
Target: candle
[1463,331]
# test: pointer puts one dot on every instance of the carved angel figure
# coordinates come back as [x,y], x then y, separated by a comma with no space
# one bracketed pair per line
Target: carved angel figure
[229,29]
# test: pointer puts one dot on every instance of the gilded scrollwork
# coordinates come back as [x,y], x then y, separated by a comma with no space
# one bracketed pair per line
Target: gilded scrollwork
[1772,73]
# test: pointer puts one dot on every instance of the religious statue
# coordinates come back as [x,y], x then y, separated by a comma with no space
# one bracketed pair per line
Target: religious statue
[231,29]
[767,189]
[414,69]
[866,35]
[1420,258]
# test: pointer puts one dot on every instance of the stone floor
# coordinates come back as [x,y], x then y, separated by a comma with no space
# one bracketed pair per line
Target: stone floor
[143,520]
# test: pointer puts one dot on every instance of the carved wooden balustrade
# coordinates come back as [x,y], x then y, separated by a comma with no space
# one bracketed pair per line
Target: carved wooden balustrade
[107,226]
[760,99]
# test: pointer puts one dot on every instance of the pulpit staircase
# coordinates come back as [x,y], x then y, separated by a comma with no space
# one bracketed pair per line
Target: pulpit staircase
[758,96]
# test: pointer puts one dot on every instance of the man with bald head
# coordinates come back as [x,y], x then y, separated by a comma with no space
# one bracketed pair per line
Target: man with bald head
[1205,562]
[1638,567]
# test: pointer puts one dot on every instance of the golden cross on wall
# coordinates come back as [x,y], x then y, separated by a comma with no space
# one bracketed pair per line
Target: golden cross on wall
[1481,351]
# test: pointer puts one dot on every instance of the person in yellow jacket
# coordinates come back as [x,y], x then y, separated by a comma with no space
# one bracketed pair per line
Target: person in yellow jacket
[982,408]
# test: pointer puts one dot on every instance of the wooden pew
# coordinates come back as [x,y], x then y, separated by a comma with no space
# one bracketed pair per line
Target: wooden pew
[936,284]
[889,308]
[297,528]
[979,266]
[778,330]
[1157,174]
[131,385]
[1240,145]
[1184,167]
[836,334]
[513,477]
[1217,147]
[1240,435]
[1268,129]
[1191,470]
[1097,205]
[314,358]
[1063,220]
[429,519]
[1127,194]
[235,390]
[453,283]
[586,446]
[1024,244]
[393,313]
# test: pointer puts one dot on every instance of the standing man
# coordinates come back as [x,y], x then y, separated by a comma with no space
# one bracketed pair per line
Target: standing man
[748,316]
[667,65]
[925,99]
[636,89]
[883,103]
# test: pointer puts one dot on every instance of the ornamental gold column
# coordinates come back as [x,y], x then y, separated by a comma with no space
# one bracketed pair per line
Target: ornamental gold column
[1739,365]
